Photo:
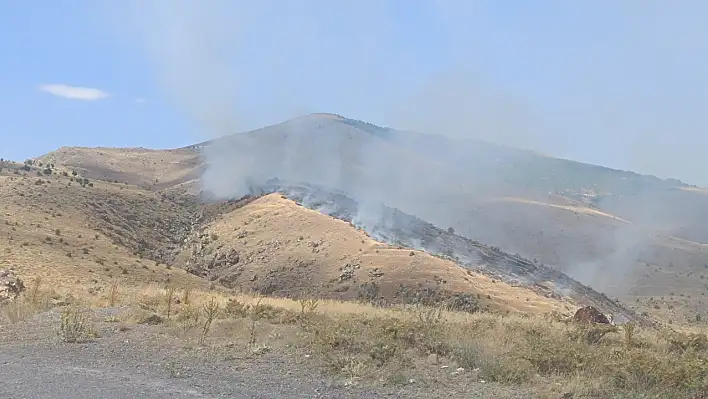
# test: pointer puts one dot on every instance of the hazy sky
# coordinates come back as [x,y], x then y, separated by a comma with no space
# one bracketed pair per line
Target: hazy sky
[618,83]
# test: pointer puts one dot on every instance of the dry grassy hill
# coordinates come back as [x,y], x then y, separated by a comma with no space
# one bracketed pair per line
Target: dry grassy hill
[52,227]
[276,247]
[660,274]
[566,234]
[84,236]
[153,169]
[515,200]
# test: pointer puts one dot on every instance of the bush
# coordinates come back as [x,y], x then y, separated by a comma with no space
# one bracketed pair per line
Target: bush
[76,327]
[236,308]
[506,371]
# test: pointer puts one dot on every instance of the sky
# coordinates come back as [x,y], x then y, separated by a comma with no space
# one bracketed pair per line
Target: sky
[617,83]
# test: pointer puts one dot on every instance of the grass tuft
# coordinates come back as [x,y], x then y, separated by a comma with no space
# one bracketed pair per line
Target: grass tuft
[76,327]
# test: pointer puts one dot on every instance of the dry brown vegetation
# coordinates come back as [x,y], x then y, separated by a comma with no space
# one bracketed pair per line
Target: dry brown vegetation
[142,167]
[275,247]
[551,228]
[81,246]
[73,235]
[91,237]
[363,344]
[551,232]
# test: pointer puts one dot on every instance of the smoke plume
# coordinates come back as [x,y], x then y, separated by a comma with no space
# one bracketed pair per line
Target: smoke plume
[483,73]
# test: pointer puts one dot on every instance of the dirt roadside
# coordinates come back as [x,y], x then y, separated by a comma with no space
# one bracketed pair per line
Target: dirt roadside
[143,363]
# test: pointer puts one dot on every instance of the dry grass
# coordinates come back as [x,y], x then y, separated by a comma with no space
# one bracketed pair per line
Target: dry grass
[33,213]
[47,235]
[137,166]
[575,209]
[36,298]
[361,342]
[53,230]
[369,345]
[286,250]
[579,237]
[18,310]
[571,233]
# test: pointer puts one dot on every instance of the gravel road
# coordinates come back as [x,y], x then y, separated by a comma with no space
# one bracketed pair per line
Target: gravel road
[135,364]
[140,363]
[41,371]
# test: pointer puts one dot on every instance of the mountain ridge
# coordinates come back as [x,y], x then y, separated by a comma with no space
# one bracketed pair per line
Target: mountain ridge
[386,133]
[454,185]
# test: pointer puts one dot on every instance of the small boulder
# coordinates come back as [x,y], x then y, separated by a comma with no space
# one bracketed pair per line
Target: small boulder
[589,315]
[10,286]
[152,320]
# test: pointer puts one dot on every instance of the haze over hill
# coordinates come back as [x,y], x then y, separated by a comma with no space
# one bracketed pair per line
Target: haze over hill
[541,207]
[91,219]
[617,231]
[514,199]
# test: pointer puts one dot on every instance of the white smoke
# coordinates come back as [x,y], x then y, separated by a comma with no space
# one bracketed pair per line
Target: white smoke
[231,66]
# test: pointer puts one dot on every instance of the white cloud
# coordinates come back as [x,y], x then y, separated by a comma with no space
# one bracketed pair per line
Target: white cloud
[140,100]
[74,92]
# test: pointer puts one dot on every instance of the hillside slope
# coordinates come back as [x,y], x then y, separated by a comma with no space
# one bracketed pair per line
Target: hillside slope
[275,247]
[567,214]
[80,240]
[629,235]
[153,169]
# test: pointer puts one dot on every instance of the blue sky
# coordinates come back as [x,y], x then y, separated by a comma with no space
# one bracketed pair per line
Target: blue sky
[621,83]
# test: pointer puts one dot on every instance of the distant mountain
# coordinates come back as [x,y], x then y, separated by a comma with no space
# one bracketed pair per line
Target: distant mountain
[588,220]
[600,225]
[335,135]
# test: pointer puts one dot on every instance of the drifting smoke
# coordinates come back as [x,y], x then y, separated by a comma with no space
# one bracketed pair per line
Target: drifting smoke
[232,66]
